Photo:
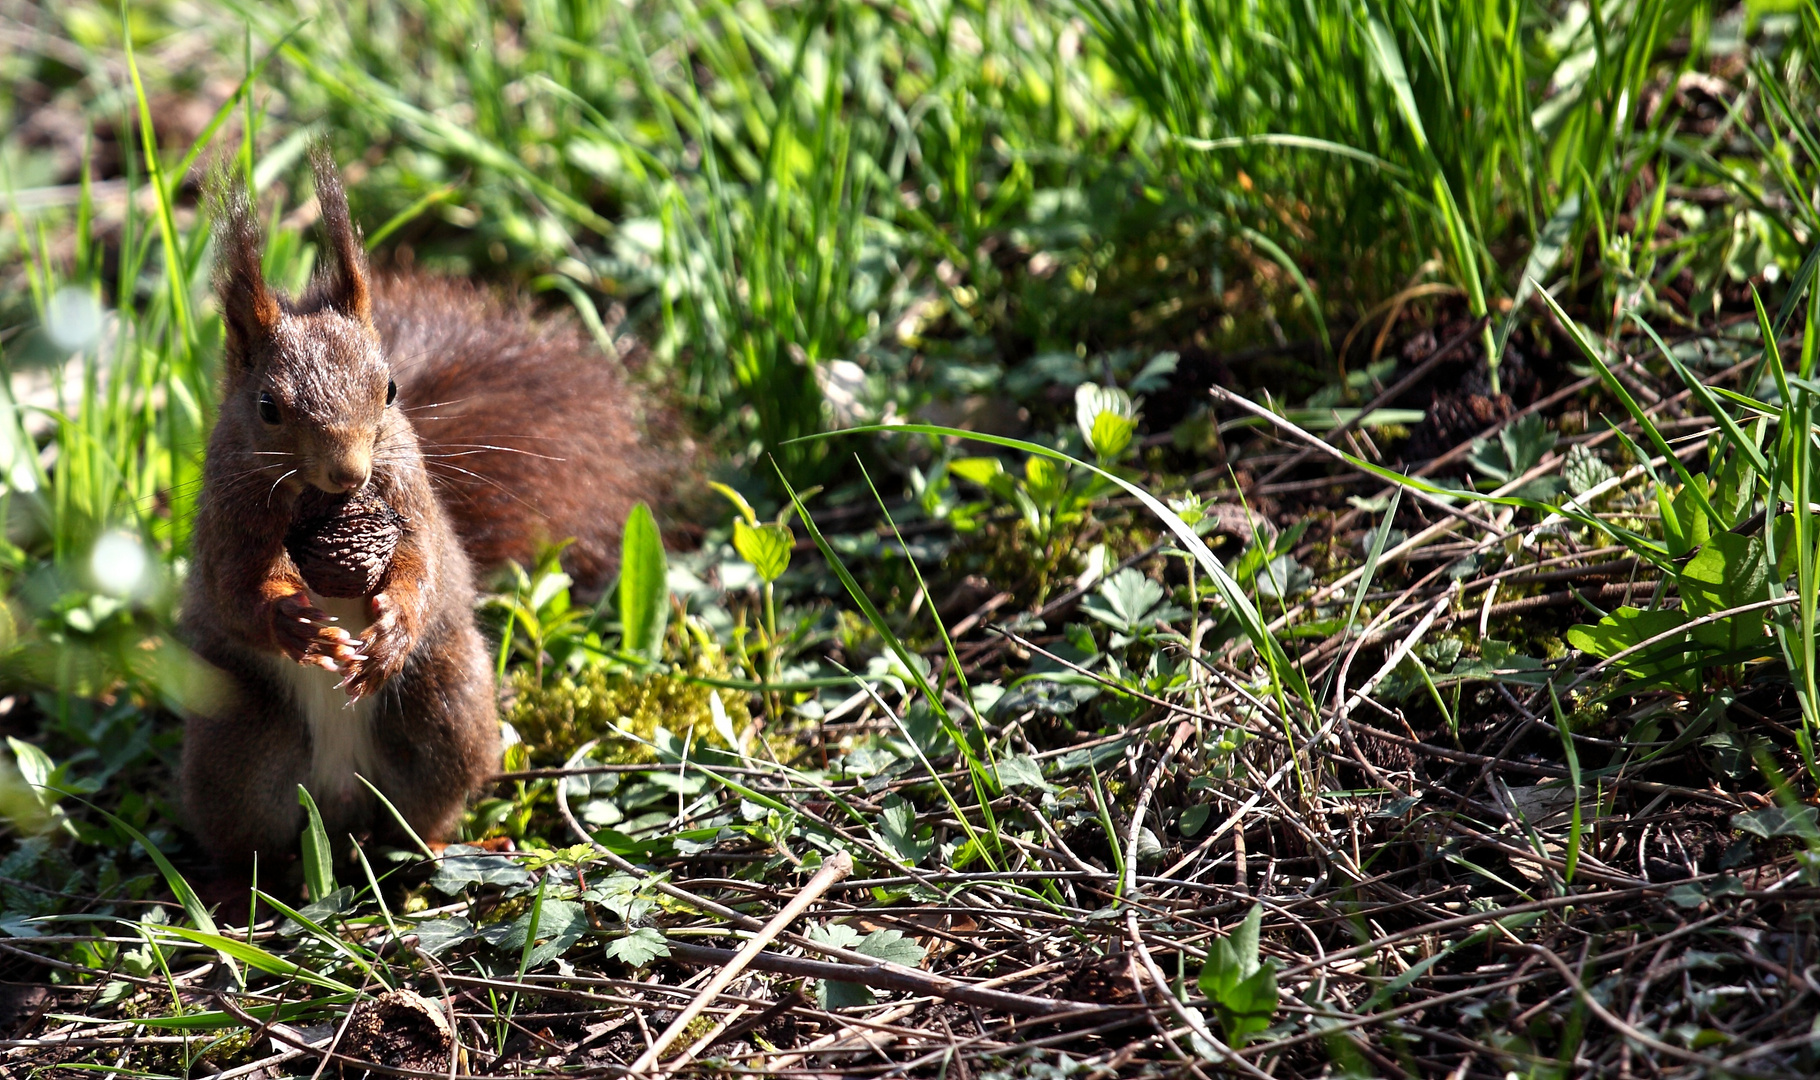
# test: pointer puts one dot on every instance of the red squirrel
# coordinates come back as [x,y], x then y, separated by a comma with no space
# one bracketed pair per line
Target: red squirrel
[490,429]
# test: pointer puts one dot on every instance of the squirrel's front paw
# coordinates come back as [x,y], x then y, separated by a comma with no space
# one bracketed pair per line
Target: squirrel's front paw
[385,645]
[309,635]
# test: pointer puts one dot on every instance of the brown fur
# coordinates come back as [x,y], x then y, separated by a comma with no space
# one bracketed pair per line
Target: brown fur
[531,434]
[476,381]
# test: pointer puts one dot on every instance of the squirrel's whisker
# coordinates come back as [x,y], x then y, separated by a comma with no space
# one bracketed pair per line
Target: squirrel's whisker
[275,483]
[479,449]
[485,480]
[435,404]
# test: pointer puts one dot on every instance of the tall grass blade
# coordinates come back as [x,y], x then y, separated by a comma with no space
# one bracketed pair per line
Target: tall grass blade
[1696,488]
[318,856]
[1572,755]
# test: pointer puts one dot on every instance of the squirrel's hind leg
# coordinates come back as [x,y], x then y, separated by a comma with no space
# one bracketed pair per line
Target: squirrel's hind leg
[441,747]
[241,766]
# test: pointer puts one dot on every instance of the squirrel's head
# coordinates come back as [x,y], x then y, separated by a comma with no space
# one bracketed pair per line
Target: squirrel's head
[306,380]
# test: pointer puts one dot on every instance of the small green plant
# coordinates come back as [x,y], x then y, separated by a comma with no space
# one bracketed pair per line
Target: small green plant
[544,624]
[1133,605]
[1052,501]
[766,546]
[1107,419]
[1242,988]
[1520,446]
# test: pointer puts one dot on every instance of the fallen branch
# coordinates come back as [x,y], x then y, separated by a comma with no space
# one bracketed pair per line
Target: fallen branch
[832,871]
[882,977]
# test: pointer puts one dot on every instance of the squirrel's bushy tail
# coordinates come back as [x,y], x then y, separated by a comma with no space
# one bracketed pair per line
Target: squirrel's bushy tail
[530,433]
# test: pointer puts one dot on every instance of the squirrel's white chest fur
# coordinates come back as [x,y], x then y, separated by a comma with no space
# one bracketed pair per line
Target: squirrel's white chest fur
[341,732]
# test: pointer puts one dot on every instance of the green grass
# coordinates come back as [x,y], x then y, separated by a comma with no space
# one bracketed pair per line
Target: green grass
[956,231]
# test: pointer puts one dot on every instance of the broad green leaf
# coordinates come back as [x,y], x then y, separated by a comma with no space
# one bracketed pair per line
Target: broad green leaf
[1693,894]
[318,856]
[979,470]
[1584,470]
[1519,447]
[623,895]
[892,947]
[1687,527]
[438,934]
[1124,599]
[559,925]
[1243,990]
[1106,417]
[463,866]
[839,935]
[1221,972]
[1488,457]
[639,947]
[1092,399]
[34,764]
[1629,626]
[1282,577]
[1046,479]
[1245,939]
[21,802]
[644,592]
[1526,441]
[1730,571]
[1021,770]
[1737,490]
[897,831]
[1774,821]
[766,547]
[1110,435]
[829,993]
[1248,1007]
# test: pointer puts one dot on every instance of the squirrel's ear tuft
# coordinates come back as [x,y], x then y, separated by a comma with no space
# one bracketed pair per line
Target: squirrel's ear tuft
[347,289]
[248,307]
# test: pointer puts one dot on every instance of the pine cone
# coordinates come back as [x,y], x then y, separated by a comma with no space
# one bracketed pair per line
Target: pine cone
[343,544]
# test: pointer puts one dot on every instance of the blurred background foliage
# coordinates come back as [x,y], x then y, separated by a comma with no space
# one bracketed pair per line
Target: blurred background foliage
[939,193]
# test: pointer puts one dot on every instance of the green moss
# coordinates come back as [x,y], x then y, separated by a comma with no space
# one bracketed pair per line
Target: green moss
[554,718]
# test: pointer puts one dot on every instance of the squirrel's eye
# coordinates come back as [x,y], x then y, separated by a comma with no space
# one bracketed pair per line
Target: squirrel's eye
[268,409]
[391,391]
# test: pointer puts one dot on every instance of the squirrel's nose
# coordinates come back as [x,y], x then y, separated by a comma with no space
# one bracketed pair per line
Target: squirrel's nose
[348,476]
